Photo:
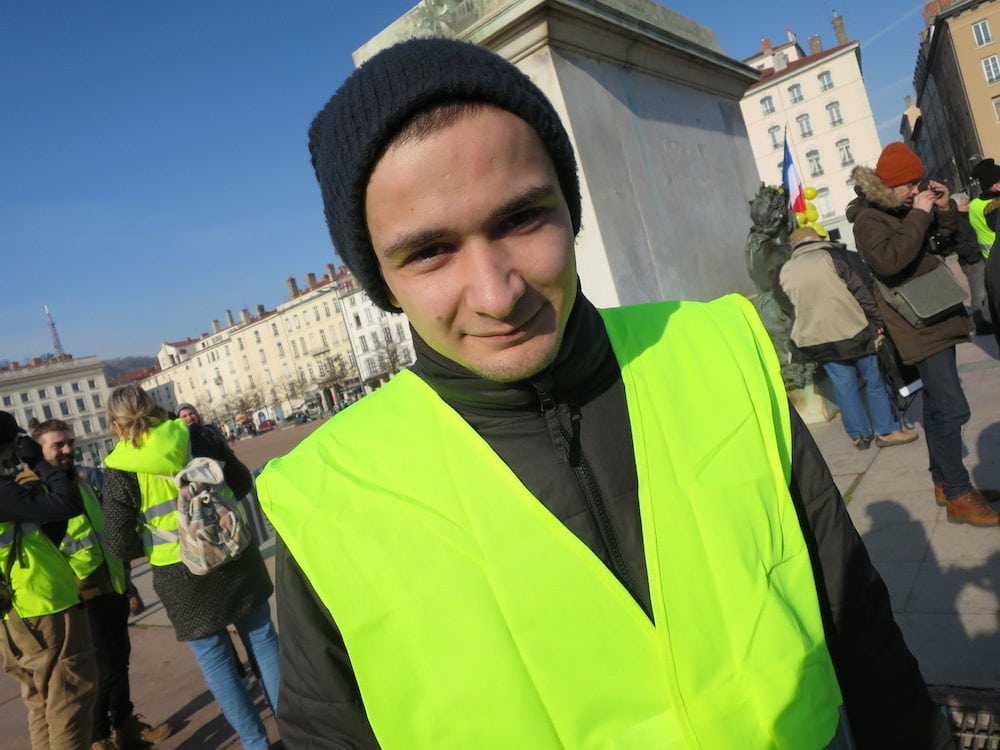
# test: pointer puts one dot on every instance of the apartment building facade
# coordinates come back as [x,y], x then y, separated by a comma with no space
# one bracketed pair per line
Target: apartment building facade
[955,120]
[67,388]
[818,101]
[303,355]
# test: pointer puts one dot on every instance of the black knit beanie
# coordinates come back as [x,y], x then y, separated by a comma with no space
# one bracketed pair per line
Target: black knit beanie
[377,100]
[988,174]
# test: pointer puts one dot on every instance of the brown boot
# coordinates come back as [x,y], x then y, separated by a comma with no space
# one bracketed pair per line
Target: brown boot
[972,508]
[941,499]
[135,733]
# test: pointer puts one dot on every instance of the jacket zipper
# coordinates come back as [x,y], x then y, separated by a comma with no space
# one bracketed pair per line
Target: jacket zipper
[562,441]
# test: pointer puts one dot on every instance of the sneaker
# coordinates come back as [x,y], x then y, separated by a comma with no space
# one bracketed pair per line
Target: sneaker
[861,443]
[899,437]
[972,508]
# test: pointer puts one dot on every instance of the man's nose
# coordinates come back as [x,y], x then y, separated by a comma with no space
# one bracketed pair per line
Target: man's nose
[494,284]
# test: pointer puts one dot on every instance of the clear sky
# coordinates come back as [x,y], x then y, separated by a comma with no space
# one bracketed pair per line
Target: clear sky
[154,169]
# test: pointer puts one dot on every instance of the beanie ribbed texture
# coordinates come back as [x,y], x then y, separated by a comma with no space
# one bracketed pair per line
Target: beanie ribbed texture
[898,165]
[378,99]
[988,173]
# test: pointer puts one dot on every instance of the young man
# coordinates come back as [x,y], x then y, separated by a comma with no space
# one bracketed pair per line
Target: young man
[560,528]
[45,636]
[897,226]
[836,325]
[191,416]
[102,580]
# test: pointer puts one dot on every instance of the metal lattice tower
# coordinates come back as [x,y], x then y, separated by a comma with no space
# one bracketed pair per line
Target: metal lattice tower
[56,344]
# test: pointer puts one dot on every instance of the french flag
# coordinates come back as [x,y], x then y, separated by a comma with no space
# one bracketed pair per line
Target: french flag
[791,183]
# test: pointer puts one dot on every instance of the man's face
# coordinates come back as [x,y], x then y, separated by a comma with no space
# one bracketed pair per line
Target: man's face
[475,243]
[190,416]
[57,448]
[906,191]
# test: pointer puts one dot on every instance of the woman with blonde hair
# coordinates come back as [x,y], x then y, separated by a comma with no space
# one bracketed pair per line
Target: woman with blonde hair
[137,489]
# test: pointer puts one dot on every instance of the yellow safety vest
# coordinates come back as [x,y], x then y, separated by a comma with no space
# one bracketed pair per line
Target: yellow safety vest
[41,579]
[82,545]
[977,218]
[163,453]
[475,619]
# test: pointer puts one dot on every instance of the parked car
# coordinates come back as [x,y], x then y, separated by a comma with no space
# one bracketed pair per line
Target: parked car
[298,416]
[266,424]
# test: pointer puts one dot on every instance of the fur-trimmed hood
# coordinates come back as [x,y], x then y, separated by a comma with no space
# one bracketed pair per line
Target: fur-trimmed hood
[871,191]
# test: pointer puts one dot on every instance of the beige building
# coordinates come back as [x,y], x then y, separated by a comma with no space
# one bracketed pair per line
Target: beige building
[265,365]
[955,120]
[73,390]
[819,100]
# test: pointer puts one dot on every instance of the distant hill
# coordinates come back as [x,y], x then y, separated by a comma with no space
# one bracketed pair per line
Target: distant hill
[115,367]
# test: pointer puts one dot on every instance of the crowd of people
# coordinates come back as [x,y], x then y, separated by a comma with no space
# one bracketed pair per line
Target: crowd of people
[562,527]
[66,547]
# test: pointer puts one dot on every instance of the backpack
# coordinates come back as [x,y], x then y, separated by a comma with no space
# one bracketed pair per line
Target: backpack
[211,529]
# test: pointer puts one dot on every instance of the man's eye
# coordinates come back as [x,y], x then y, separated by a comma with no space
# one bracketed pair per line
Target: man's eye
[521,218]
[426,254]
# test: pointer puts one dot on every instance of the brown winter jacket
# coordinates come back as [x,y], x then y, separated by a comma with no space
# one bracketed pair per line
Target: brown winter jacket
[895,243]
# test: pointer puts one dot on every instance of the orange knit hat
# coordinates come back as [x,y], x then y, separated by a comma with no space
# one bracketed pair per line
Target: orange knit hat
[898,165]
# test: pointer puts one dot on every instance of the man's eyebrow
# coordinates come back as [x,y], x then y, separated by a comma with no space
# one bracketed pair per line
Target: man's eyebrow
[424,237]
[414,239]
[529,196]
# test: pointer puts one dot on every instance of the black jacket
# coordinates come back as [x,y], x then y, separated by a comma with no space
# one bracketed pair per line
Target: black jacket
[566,434]
[54,498]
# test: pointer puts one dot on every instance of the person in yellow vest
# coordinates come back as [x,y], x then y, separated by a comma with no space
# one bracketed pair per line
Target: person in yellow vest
[45,636]
[102,580]
[561,527]
[984,215]
[141,519]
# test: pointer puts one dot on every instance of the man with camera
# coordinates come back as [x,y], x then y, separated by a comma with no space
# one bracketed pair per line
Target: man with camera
[44,636]
[901,221]
[103,583]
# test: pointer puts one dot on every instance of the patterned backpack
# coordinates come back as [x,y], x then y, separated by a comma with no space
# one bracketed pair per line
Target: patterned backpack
[211,528]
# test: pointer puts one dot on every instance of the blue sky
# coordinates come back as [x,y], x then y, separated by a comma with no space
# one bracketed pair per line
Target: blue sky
[154,169]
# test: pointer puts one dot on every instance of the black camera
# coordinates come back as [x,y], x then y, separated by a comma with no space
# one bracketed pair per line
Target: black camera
[925,184]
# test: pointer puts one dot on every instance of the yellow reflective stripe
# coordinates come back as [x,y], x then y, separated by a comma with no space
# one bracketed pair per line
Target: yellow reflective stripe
[71,546]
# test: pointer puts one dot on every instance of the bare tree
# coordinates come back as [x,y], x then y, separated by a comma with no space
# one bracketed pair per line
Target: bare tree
[337,375]
[391,357]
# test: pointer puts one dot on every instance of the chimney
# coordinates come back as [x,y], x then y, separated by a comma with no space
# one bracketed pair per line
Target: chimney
[907,101]
[311,277]
[244,315]
[815,45]
[229,318]
[791,35]
[331,271]
[293,288]
[261,311]
[931,10]
[838,27]
[765,44]
[780,61]
[215,326]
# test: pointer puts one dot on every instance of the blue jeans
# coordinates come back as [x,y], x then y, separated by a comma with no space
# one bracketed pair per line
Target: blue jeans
[844,376]
[214,654]
[945,411]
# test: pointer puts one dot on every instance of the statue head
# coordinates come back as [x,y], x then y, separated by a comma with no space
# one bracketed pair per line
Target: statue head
[769,210]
